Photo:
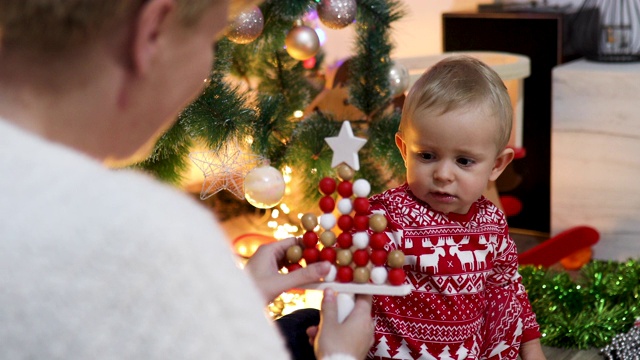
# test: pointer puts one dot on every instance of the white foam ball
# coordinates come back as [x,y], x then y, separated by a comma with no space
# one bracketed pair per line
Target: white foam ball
[361,239]
[345,206]
[361,188]
[379,275]
[327,221]
[331,276]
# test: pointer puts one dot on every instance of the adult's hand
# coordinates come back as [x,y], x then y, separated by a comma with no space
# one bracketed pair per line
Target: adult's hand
[350,339]
[266,262]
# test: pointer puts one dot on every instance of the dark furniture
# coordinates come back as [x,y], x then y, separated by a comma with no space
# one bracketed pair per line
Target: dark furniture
[540,36]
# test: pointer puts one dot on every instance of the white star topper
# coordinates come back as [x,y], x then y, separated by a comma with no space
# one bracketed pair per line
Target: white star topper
[345,147]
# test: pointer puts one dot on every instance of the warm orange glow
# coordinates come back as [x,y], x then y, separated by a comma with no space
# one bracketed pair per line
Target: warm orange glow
[247,244]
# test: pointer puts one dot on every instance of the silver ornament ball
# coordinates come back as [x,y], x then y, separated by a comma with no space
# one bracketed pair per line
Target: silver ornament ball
[337,14]
[247,26]
[398,79]
[302,42]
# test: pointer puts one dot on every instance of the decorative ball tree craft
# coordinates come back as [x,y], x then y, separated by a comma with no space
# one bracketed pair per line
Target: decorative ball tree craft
[360,262]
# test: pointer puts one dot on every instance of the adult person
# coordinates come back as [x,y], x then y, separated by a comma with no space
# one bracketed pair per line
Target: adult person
[104,264]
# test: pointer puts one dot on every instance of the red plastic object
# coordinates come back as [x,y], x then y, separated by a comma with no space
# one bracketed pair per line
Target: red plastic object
[556,248]
[519,153]
[511,205]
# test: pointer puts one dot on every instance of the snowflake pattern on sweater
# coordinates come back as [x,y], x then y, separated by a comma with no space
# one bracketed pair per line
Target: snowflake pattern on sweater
[468,300]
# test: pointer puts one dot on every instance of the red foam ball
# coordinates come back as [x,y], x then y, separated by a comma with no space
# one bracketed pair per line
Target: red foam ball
[361,205]
[345,189]
[310,239]
[361,257]
[327,204]
[345,222]
[311,255]
[327,185]
[345,240]
[396,276]
[361,222]
[328,254]
[293,267]
[344,274]
[377,241]
[378,257]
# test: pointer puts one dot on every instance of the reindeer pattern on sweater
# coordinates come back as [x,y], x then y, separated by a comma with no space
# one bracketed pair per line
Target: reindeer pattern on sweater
[468,301]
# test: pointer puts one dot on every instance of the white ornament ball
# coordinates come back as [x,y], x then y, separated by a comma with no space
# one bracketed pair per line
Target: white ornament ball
[302,42]
[379,275]
[327,221]
[361,188]
[361,240]
[345,206]
[337,14]
[331,276]
[264,187]
[398,79]
[247,26]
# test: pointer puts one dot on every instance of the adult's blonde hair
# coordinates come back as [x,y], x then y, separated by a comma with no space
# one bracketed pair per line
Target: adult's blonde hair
[57,25]
[456,82]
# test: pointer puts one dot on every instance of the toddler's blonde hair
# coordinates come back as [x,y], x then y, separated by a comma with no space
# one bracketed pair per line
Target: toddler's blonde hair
[459,81]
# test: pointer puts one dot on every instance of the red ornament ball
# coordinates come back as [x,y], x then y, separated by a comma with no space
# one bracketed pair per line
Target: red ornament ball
[377,241]
[327,204]
[396,276]
[361,222]
[310,239]
[361,257]
[327,185]
[328,254]
[345,274]
[293,267]
[311,255]
[345,222]
[361,205]
[310,63]
[378,257]
[345,189]
[345,240]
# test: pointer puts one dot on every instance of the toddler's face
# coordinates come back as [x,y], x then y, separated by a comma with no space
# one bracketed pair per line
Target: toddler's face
[450,157]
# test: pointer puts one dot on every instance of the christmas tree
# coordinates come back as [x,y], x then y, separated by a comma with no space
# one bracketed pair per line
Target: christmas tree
[268,71]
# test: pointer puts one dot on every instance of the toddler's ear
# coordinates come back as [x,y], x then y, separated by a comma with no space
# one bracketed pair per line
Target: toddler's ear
[502,160]
[401,146]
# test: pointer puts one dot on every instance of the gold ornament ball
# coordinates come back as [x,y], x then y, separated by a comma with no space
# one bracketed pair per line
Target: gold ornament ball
[337,14]
[302,42]
[264,187]
[377,223]
[344,257]
[247,26]
[395,259]
[361,275]
[309,221]
[294,254]
[328,238]
[345,172]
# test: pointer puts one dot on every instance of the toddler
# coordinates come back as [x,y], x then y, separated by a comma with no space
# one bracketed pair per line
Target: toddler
[468,300]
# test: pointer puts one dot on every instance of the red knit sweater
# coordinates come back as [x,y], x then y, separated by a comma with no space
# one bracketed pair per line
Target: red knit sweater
[464,270]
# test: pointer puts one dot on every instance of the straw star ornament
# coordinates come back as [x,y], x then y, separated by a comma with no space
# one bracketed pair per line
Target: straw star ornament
[225,169]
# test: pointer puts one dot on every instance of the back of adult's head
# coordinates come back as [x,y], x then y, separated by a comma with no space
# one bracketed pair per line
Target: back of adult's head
[456,82]
[50,26]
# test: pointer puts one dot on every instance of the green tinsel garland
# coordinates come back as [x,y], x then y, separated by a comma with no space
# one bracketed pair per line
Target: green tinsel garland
[586,309]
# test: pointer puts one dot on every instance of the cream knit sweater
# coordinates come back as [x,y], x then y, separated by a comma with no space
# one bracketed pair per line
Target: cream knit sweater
[103,264]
